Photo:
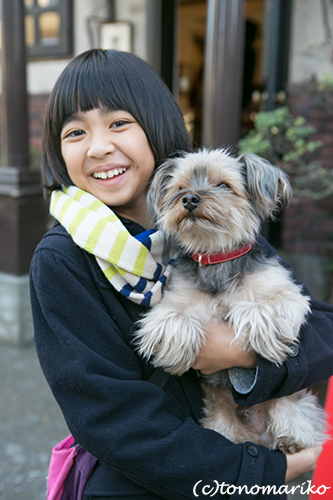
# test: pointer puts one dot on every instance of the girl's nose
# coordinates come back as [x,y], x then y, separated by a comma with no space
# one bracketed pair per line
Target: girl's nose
[100,146]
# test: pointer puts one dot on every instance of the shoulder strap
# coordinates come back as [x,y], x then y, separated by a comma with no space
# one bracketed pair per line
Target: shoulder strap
[159,377]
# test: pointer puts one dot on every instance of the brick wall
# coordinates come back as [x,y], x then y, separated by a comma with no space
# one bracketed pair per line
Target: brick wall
[36,109]
[36,113]
[308,226]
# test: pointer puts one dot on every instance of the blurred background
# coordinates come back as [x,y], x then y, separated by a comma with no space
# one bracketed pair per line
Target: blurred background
[255,75]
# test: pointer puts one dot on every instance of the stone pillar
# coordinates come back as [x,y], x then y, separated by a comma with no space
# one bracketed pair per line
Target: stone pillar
[22,211]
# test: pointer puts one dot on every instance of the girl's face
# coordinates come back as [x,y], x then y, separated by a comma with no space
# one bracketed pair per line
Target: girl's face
[108,155]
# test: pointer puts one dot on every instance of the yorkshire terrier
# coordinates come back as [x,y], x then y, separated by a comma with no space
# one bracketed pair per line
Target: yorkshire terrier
[210,205]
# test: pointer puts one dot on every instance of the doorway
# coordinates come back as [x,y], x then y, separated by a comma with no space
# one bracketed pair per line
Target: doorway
[190,50]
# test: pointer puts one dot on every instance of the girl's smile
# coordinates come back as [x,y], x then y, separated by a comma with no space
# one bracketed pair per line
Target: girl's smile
[109,174]
[107,154]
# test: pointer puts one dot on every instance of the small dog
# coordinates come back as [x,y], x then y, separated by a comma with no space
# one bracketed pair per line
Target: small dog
[211,205]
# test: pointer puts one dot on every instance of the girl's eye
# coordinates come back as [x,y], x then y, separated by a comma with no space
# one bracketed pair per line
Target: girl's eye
[119,123]
[74,133]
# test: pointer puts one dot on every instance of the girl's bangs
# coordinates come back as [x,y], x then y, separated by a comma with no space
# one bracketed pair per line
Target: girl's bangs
[88,90]
[94,91]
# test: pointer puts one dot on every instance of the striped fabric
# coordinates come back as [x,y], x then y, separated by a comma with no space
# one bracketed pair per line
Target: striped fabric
[137,267]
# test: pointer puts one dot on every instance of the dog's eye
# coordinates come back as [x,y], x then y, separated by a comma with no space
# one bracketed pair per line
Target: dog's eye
[180,188]
[223,185]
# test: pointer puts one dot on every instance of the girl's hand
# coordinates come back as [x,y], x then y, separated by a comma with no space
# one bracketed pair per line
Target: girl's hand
[221,350]
[302,462]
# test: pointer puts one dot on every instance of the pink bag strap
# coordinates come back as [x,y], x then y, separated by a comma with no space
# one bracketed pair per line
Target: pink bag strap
[62,459]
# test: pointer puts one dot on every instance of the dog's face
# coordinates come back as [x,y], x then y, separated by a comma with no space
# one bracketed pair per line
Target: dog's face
[210,201]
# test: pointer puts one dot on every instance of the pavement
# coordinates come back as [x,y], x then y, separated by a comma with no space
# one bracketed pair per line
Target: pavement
[31,423]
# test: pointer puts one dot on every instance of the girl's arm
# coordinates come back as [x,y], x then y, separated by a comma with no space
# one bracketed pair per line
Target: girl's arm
[82,334]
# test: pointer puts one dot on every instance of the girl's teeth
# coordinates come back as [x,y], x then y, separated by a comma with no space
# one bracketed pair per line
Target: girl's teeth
[110,174]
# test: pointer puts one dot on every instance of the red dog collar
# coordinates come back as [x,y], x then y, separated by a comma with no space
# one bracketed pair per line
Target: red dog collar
[206,259]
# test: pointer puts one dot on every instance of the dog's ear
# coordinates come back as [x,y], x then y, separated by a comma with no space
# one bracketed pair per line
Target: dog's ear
[158,186]
[268,186]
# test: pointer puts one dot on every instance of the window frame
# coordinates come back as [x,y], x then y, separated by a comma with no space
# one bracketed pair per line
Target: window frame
[65,47]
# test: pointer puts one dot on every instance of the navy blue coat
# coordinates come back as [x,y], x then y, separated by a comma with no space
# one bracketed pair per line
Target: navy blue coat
[147,439]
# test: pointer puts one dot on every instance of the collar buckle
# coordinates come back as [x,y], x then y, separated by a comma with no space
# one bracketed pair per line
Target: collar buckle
[201,264]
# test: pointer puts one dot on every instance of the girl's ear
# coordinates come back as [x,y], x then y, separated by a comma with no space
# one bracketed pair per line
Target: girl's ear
[158,186]
[268,187]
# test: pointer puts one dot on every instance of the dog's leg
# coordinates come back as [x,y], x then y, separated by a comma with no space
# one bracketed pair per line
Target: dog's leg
[296,422]
[266,312]
[220,414]
[236,423]
[287,424]
[172,332]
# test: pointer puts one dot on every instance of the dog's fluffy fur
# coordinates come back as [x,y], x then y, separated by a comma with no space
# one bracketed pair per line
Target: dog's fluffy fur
[211,202]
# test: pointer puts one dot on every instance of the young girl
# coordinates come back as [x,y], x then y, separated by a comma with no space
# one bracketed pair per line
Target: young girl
[110,122]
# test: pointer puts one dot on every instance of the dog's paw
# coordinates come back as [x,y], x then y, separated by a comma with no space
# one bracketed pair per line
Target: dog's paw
[266,329]
[267,312]
[296,422]
[287,446]
[170,340]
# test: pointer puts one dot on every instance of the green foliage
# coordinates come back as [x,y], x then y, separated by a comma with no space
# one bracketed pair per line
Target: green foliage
[326,84]
[283,140]
[279,137]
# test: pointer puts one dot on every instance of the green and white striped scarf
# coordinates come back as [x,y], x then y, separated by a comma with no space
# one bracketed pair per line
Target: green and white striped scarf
[137,267]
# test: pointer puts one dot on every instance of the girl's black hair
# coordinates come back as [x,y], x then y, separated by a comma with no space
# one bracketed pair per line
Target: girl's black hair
[115,80]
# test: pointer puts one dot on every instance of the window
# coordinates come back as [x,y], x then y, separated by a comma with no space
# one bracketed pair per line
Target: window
[48,27]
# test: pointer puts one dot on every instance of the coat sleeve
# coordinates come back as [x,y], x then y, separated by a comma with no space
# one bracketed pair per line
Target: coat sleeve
[126,422]
[311,361]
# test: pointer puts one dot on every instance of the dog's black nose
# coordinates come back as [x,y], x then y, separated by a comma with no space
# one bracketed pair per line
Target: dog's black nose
[191,201]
